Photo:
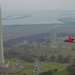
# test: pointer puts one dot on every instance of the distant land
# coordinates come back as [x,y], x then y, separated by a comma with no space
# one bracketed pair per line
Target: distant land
[15,17]
[39,22]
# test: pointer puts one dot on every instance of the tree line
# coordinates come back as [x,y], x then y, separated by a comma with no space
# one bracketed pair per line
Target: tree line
[53,58]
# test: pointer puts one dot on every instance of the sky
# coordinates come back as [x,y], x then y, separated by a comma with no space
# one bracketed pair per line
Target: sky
[36,5]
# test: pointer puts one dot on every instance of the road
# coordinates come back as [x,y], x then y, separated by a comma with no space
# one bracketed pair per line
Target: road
[37,68]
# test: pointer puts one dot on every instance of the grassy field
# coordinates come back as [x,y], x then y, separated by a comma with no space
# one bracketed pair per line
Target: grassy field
[61,73]
[28,70]
[28,67]
[45,66]
[51,66]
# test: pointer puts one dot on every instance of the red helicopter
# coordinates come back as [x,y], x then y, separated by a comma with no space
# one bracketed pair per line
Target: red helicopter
[69,40]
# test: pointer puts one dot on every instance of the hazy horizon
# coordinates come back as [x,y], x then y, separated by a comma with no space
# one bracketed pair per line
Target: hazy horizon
[42,17]
[37,5]
[34,11]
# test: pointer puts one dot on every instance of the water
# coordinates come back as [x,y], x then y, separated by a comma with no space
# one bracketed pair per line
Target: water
[46,17]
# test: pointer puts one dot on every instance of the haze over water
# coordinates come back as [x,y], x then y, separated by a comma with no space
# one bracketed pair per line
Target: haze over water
[45,17]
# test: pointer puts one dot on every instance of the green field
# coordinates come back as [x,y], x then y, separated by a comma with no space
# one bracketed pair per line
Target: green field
[45,66]
[61,73]
[51,66]
[28,67]
[27,72]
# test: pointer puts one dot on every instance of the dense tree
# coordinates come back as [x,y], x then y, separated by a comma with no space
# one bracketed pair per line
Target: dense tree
[24,73]
[73,60]
[42,58]
[25,57]
[52,58]
[55,70]
[46,73]
[67,58]
[71,69]
[60,58]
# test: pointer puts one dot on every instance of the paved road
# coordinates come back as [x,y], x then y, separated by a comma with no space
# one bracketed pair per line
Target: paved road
[37,68]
